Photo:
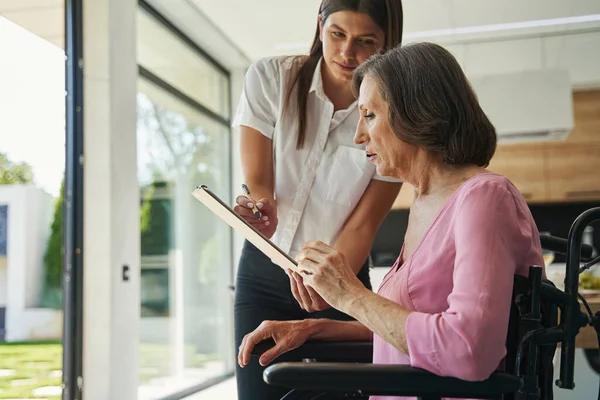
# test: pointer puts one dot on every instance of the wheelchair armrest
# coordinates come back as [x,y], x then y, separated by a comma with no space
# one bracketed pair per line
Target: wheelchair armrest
[391,380]
[348,352]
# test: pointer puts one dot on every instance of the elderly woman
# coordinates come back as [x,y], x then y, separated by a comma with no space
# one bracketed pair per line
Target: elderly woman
[445,304]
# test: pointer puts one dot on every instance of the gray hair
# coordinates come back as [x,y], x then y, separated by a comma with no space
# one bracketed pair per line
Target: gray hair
[431,102]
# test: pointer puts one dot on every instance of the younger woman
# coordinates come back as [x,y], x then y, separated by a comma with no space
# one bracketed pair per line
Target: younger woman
[297,119]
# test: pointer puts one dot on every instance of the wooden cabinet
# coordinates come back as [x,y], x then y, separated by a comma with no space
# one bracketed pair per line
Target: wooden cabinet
[573,172]
[586,113]
[524,167]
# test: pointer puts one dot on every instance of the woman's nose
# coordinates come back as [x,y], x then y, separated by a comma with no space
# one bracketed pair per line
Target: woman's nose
[348,51]
[360,136]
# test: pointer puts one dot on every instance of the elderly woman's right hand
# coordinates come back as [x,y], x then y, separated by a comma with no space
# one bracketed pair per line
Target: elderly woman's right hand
[267,224]
[288,335]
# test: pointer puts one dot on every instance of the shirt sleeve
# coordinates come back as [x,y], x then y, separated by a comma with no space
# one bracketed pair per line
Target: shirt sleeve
[258,107]
[467,340]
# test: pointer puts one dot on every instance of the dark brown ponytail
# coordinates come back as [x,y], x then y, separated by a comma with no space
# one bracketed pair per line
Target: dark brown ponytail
[395,23]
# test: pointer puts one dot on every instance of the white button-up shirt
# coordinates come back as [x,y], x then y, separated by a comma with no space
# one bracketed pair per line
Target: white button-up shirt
[318,186]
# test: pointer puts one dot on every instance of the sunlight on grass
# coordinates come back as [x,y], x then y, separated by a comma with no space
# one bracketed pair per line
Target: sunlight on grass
[25,367]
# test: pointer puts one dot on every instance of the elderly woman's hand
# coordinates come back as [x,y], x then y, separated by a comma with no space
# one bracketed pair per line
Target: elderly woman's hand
[288,335]
[307,298]
[327,271]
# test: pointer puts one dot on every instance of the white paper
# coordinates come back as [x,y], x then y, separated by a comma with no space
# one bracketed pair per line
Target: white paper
[226,213]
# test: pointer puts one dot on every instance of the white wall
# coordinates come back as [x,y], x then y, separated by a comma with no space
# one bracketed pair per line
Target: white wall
[29,218]
[40,214]
[35,324]
[577,53]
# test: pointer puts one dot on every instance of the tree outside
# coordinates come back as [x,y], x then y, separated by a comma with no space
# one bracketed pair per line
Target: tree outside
[53,257]
[12,173]
[178,148]
[176,153]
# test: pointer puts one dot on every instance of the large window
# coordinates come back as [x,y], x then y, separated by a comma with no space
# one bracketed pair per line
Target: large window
[32,166]
[183,141]
[177,63]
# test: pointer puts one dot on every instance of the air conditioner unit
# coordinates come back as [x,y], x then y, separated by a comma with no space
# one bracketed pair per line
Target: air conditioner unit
[527,106]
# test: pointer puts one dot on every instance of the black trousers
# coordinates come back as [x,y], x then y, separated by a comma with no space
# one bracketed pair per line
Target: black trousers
[262,292]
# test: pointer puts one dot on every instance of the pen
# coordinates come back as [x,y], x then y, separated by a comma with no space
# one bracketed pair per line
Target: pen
[254,209]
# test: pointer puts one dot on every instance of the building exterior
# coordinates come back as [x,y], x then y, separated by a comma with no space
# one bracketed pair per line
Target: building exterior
[25,215]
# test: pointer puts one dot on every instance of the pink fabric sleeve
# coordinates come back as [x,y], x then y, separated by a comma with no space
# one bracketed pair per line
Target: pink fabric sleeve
[467,340]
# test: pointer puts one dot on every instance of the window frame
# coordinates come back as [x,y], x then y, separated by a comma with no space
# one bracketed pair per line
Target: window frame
[179,35]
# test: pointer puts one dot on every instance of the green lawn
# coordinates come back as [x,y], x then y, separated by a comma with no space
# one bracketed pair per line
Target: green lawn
[25,367]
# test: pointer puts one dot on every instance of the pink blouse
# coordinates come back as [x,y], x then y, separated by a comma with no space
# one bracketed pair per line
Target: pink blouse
[458,282]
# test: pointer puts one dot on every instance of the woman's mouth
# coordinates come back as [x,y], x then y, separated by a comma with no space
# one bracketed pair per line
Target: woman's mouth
[347,68]
[371,156]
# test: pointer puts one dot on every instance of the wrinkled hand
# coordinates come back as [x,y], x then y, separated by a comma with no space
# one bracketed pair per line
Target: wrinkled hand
[306,296]
[288,335]
[267,224]
[327,272]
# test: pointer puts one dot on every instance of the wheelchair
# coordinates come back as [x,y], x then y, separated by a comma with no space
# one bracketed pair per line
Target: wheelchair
[343,370]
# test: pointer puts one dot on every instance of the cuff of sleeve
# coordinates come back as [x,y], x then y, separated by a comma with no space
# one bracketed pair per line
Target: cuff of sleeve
[254,123]
[418,331]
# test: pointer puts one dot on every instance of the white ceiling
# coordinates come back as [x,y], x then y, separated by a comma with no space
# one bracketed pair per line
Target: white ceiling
[258,26]
[45,18]
[267,27]
[235,32]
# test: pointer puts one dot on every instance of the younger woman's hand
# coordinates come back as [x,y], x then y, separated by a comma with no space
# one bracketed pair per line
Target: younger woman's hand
[267,224]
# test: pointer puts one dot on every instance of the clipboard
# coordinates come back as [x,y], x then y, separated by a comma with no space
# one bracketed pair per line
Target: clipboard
[222,210]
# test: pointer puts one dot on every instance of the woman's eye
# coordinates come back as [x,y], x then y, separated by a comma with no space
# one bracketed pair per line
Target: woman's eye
[369,115]
[338,34]
[366,42]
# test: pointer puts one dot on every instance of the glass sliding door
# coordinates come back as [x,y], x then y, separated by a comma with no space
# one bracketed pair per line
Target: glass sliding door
[33,41]
[183,140]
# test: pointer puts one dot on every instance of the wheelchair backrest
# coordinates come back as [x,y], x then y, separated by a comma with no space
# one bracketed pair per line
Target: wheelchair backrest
[520,323]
